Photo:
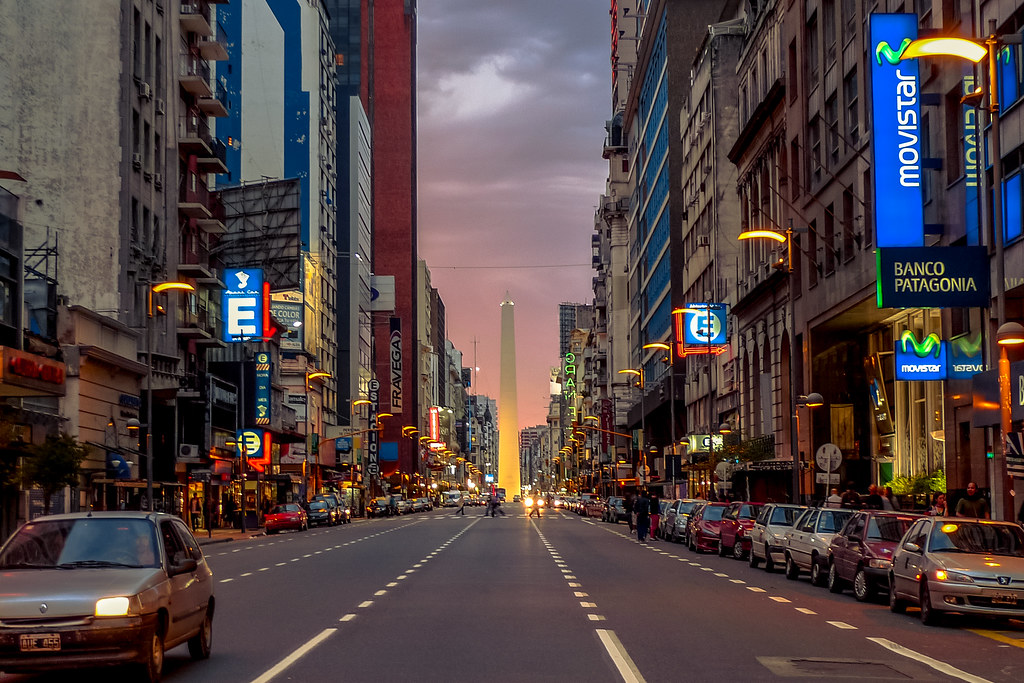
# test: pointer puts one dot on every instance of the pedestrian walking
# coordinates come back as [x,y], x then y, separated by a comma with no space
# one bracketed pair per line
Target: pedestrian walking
[642,508]
[208,516]
[889,500]
[196,512]
[534,506]
[655,504]
[462,507]
[973,504]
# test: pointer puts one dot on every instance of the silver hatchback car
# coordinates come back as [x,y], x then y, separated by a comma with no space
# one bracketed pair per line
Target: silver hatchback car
[103,588]
[951,564]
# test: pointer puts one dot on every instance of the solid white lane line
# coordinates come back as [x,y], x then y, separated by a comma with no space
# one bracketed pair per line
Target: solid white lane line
[271,673]
[842,625]
[627,669]
[939,666]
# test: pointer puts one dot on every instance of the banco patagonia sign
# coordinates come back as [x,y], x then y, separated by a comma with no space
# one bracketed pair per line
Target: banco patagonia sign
[933,277]
[896,138]
[935,359]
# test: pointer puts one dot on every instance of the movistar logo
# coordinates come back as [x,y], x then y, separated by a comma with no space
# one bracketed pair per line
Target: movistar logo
[966,346]
[931,346]
[890,55]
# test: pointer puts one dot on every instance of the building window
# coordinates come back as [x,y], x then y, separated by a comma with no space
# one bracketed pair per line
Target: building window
[811,58]
[832,134]
[850,98]
[849,14]
[828,11]
[814,152]
[794,68]
[812,249]
[924,13]
[794,171]
[829,239]
[848,219]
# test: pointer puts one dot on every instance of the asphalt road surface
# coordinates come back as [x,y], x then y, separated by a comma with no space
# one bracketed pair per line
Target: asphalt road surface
[440,597]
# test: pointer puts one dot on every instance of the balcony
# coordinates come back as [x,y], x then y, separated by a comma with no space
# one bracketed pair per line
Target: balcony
[195,17]
[216,104]
[194,73]
[194,259]
[194,324]
[215,224]
[213,48]
[194,203]
[194,136]
[216,160]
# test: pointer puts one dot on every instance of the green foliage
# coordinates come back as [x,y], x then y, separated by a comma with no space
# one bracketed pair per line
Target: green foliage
[922,482]
[54,464]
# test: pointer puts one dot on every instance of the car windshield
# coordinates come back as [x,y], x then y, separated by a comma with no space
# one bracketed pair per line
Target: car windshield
[749,512]
[713,513]
[318,505]
[281,509]
[784,516]
[831,521]
[685,508]
[888,528]
[975,537]
[82,543]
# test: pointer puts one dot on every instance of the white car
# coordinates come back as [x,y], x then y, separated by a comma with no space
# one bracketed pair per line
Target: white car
[808,540]
[768,536]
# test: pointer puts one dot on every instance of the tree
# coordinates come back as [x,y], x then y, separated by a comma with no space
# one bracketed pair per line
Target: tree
[54,464]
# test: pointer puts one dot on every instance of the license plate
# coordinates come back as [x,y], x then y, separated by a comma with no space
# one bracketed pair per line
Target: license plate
[40,642]
[1004,599]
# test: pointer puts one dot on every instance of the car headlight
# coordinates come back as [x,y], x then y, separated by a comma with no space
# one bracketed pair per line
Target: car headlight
[119,606]
[952,577]
[877,563]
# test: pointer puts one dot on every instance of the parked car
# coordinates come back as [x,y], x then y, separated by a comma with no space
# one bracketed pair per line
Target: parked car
[285,516]
[807,542]
[705,526]
[768,535]
[861,554]
[673,522]
[400,505]
[102,589]
[950,564]
[590,505]
[614,510]
[379,507]
[332,506]
[734,534]
[319,513]
[451,499]
[416,505]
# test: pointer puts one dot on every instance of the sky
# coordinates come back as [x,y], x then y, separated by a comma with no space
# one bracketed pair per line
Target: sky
[512,100]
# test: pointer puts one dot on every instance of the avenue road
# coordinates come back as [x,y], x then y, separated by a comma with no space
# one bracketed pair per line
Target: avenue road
[439,597]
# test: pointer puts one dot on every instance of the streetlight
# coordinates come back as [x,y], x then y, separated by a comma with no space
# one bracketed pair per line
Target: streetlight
[154,288]
[1009,334]
[639,374]
[672,400]
[317,375]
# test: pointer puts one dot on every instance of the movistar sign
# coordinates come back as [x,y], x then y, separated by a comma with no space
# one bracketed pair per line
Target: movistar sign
[934,359]
[896,138]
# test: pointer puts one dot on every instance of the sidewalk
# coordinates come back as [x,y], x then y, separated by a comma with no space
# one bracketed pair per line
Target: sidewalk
[224,535]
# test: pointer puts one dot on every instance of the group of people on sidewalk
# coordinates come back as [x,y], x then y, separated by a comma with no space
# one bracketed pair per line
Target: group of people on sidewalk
[973,504]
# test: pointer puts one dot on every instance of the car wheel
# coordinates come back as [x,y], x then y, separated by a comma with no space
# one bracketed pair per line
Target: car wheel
[199,645]
[864,588]
[817,577]
[835,584]
[896,605]
[737,550]
[752,559]
[769,563]
[929,615]
[152,665]
[792,571]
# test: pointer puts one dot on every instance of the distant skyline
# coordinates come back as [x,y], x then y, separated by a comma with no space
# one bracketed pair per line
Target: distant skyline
[512,100]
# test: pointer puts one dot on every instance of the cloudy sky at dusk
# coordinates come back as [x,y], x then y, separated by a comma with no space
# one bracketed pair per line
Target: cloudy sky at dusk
[512,102]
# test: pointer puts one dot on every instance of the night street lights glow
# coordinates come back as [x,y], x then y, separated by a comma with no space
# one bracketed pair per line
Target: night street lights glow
[945,47]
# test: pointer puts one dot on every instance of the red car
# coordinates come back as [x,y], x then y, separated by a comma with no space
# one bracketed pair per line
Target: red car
[861,554]
[286,516]
[705,527]
[737,522]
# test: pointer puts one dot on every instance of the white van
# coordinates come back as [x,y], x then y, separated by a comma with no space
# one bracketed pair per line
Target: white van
[452,498]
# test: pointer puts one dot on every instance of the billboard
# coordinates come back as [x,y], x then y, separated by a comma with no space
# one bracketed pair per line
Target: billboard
[896,136]
[287,308]
[704,323]
[396,364]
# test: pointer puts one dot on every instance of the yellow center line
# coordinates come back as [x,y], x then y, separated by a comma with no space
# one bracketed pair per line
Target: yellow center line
[998,636]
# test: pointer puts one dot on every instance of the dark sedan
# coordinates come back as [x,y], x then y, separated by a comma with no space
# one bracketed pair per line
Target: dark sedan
[614,510]
[319,513]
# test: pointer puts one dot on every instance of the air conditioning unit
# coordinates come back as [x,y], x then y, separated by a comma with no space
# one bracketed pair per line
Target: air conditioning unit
[703,240]
[188,451]
[158,180]
[158,105]
[145,90]
[136,160]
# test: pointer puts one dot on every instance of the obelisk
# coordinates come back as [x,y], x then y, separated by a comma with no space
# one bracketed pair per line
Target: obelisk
[508,411]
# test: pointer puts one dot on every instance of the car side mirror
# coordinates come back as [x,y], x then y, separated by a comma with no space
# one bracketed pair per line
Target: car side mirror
[185,566]
[912,547]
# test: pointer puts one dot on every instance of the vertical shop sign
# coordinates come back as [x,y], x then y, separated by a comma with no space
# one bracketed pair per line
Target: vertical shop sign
[372,436]
[262,399]
[896,138]
[971,140]
[396,365]
[876,392]
[242,303]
